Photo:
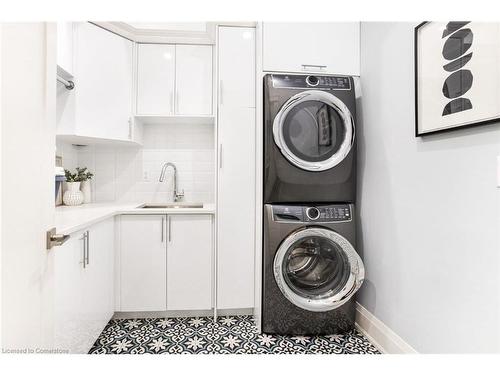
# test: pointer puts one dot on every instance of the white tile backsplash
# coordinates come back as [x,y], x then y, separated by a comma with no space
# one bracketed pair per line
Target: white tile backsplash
[130,174]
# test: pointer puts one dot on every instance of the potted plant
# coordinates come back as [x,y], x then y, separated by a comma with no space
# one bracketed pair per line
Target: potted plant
[72,196]
[84,175]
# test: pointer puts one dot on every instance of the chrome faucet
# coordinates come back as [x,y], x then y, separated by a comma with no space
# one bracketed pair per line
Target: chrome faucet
[177,195]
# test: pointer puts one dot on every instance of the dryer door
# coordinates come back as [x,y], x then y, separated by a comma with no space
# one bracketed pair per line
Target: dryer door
[317,269]
[314,130]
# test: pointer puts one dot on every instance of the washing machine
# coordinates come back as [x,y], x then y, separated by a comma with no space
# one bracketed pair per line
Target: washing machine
[309,138]
[311,270]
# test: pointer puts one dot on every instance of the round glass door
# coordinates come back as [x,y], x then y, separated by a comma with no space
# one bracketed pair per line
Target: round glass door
[314,130]
[317,269]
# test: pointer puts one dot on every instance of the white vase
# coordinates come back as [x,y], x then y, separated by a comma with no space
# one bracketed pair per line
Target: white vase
[86,189]
[73,196]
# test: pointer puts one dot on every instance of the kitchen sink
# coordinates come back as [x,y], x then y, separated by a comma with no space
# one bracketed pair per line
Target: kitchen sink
[172,205]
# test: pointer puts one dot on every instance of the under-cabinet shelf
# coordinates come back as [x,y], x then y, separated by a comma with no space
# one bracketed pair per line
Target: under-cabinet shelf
[177,119]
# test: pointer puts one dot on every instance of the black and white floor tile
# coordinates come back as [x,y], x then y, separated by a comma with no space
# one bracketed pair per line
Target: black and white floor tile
[229,335]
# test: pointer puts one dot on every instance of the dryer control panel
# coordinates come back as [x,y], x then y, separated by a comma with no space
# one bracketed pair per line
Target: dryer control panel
[291,81]
[317,213]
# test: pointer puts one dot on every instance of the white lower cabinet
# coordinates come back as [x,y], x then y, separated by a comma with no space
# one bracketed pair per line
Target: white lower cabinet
[189,262]
[143,263]
[84,292]
[99,281]
[166,262]
[68,295]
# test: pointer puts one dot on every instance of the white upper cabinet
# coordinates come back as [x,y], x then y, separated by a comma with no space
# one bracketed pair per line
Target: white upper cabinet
[189,262]
[193,77]
[155,79]
[103,78]
[65,48]
[331,47]
[174,80]
[236,70]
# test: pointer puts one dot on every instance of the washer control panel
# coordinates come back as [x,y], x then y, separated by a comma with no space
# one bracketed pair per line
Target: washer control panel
[313,213]
[311,81]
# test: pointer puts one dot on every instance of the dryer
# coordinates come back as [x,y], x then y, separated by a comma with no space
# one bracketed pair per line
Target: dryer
[309,138]
[311,269]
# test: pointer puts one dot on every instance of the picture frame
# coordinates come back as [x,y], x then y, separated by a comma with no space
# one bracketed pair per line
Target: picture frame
[456,75]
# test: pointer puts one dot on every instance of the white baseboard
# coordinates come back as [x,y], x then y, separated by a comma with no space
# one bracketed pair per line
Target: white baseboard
[385,339]
[179,313]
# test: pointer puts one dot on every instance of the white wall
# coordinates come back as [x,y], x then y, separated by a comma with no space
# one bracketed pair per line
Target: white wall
[131,173]
[429,210]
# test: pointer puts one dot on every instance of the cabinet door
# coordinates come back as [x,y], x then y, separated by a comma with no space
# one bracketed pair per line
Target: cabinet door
[317,47]
[236,208]
[69,313]
[189,262]
[155,79]
[193,72]
[143,263]
[99,279]
[103,83]
[65,48]
[236,69]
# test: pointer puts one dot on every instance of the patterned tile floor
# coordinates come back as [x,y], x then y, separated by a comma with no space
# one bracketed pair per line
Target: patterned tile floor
[230,334]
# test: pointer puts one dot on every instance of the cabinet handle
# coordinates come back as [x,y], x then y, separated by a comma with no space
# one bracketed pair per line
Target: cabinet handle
[220,93]
[88,248]
[220,156]
[176,102]
[129,128]
[169,230]
[306,66]
[163,229]
[172,102]
[84,238]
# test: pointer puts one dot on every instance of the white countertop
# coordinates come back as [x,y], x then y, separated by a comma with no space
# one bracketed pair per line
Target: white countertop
[70,219]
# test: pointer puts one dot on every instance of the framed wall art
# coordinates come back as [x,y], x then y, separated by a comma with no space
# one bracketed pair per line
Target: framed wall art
[457,75]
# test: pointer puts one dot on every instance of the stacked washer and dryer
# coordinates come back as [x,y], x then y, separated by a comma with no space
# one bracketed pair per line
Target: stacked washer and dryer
[311,269]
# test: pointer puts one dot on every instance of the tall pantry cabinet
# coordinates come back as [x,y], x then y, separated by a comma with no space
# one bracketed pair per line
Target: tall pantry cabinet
[236,168]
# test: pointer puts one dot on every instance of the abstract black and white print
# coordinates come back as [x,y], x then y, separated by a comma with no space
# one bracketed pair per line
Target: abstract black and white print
[456,75]
[458,42]
[228,335]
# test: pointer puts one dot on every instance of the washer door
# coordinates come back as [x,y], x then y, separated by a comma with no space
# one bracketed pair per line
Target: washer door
[314,130]
[317,269]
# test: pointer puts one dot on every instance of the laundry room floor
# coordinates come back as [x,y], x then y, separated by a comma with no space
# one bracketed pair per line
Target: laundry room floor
[229,335]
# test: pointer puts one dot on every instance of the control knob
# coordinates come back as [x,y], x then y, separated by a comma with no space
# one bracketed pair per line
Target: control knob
[313,213]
